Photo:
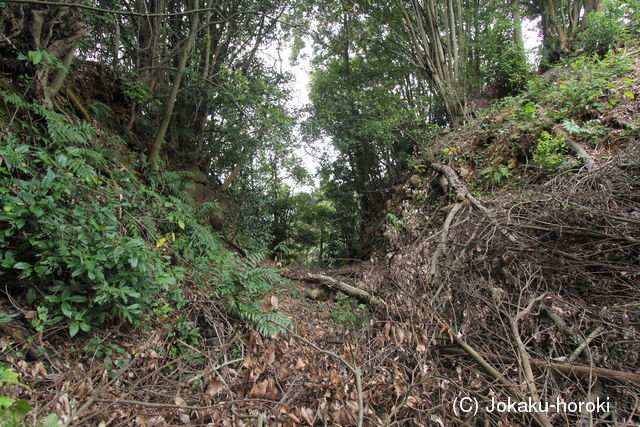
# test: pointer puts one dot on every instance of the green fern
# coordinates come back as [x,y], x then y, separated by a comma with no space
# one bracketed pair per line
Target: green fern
[81,169]
[267,324]
[95,158]
[203,210]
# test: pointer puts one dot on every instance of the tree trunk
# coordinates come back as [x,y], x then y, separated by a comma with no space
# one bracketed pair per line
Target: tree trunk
[154,152]
[516,17]
[116,43]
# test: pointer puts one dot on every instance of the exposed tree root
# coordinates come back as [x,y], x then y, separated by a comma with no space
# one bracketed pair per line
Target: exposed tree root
[462,193]
[77,105]
[443,240]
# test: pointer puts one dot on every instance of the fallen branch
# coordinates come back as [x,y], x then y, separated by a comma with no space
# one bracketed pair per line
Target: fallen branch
[565,368]
[578,149]
[352,291]
[570,333]
[442,244]
[462,193]
[525,359]
[584,344]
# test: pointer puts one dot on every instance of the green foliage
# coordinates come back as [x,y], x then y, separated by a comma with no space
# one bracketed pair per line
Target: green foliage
[497,176]
[505,67]
[603,31]
[13,411]
[267,324]
[61,233]
[42,57]
[629,11]
[98,349]
[588,87]
[89,243]
[243,283]
[139,92]
[550,150]
[396,223]
[185,336]
[348,312]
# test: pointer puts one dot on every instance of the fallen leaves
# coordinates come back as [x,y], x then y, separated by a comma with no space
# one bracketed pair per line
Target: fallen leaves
[265,389]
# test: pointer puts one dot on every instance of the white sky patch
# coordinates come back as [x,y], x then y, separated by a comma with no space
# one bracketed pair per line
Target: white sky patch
[532,40]
[301,71]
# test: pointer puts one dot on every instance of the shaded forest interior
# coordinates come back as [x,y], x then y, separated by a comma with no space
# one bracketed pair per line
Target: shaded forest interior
[471,227]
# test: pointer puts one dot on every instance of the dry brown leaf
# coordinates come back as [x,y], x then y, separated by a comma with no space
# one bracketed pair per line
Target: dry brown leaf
[412,401]
[283,373]
[294,418]
[333,377]
[259,389]
[306,414]
[476,383]
[300,364]
[215,386]
[272,390]
[268,303]
[386,331]
[398,335]
[156,421]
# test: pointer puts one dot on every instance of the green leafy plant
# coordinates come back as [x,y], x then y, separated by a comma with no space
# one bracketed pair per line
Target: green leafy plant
[13,411]
[38,57]
[550,150]
[603,30]
[497,176]
[589,87]
[394,221]
[61,228]
[98,349]
[349,312]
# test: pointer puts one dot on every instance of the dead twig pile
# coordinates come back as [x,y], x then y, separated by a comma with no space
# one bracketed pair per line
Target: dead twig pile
[538,289]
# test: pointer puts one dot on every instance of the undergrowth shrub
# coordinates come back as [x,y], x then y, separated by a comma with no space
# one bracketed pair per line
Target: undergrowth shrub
[603,30]
[14,411]
[589,87]
[349,312]
[550,150]
[88,242]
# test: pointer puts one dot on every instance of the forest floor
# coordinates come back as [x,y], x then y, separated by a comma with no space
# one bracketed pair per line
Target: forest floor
[154,376]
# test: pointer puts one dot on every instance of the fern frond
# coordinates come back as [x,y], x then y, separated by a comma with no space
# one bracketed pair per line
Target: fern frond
[81,169]
[256,257]
[206,208]
[95,158]
[64,133]
[267,325]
